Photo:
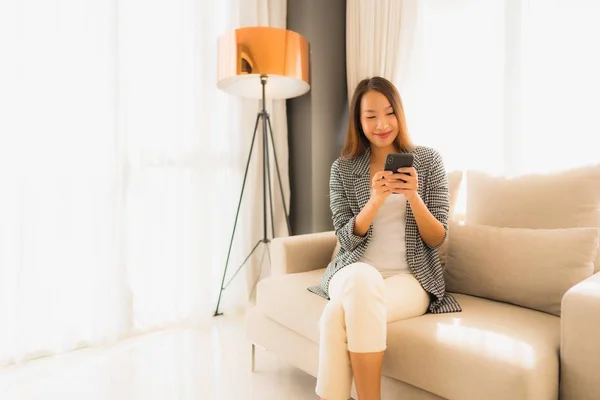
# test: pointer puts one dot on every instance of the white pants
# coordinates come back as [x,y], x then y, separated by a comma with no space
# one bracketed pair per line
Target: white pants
[355,319]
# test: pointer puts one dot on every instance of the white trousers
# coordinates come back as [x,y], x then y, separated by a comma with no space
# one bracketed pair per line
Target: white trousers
[355,319]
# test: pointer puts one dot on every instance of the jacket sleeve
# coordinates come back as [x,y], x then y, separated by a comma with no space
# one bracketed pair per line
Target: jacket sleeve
[438,194]
[342,215]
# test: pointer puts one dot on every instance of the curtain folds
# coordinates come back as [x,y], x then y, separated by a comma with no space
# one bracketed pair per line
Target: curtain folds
[121,165]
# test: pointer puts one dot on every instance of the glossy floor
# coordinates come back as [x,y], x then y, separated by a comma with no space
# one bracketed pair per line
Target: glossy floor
[176,364]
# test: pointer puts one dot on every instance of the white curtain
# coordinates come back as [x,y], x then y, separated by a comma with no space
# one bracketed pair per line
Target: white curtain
[61,268]
[379,39]
[120,169]
[509,86]
[506,87]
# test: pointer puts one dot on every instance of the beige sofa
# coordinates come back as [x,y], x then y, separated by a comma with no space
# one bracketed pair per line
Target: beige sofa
[524,272]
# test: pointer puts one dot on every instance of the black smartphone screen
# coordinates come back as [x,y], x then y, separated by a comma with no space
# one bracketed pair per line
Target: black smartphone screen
[398,160]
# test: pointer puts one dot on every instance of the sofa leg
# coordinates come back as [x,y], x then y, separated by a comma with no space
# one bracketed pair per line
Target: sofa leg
[253,356]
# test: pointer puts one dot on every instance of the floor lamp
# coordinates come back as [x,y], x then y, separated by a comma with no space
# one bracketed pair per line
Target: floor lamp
[261,63]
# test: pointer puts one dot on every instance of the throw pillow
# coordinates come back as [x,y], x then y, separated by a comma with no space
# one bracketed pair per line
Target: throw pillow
[565,199]
[531,268]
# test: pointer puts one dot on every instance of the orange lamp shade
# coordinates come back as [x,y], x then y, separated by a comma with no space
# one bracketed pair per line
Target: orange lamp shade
[246,54]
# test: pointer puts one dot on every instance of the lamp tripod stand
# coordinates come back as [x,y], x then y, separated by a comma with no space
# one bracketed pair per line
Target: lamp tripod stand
[267,132]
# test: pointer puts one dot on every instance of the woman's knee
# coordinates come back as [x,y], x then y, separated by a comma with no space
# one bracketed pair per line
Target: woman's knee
[363,279]
[332,315]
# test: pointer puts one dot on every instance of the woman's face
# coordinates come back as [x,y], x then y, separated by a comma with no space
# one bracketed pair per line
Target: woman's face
[379,123]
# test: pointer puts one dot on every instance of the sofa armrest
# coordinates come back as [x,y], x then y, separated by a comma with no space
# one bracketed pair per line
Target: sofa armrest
[580,344]
[302,253]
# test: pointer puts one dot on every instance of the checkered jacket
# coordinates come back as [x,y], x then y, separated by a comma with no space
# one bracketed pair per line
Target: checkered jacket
[349,189]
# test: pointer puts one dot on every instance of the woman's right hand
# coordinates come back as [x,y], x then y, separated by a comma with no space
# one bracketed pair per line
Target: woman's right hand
[380,190]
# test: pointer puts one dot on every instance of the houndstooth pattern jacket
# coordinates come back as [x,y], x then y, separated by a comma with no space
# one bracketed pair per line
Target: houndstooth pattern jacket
[350,189]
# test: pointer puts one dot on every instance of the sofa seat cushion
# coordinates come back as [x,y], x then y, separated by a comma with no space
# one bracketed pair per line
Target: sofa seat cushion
[489,351]
[284,298]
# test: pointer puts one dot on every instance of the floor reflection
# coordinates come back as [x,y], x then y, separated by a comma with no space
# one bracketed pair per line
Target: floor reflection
[176,364]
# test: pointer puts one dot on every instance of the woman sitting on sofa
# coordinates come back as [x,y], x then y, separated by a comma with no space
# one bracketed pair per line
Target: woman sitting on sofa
[389,226]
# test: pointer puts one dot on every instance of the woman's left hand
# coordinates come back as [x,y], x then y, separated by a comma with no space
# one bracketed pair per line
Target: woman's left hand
[406,183]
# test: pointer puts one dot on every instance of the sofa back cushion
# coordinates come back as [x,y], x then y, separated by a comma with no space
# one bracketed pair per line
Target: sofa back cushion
[565,199]
[531,268]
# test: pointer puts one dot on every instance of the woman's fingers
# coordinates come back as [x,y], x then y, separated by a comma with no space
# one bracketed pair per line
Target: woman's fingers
[382,174]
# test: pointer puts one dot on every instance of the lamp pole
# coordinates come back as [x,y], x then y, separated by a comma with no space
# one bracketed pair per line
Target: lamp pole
[267,131]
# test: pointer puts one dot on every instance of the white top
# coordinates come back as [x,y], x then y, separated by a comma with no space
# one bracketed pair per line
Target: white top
[386,250]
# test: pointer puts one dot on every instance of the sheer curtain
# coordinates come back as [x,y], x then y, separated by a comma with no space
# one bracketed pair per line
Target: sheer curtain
[559,85]
[509,86]
[379,39]
[120,169]
[61,270]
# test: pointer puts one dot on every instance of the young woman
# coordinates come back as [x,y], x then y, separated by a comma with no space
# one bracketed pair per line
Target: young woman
[389,227]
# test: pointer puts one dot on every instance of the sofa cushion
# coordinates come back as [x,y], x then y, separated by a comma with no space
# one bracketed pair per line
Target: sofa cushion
[564,199]
[532,268]
[285,299]
[489,351]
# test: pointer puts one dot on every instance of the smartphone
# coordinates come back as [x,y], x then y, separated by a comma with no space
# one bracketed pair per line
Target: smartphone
[398,160]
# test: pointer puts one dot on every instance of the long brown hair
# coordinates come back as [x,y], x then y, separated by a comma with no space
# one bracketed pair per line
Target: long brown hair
[356,142]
